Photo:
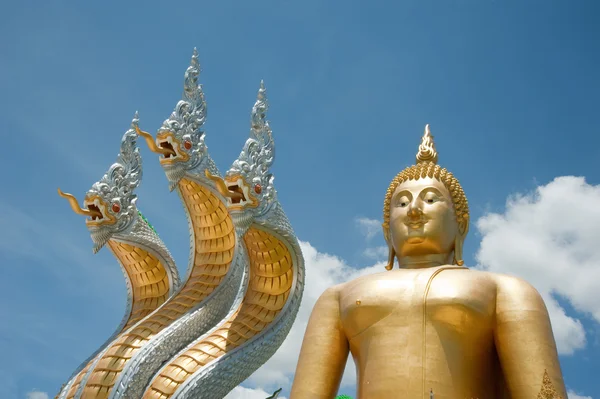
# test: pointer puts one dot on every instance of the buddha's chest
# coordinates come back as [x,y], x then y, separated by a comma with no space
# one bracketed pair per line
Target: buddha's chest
[410,332]
[401,302]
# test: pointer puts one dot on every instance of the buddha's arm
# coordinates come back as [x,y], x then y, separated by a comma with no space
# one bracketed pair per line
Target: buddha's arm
[524,341]
[324,351]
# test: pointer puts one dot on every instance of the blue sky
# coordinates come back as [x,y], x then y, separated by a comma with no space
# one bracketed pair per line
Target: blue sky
[509,88]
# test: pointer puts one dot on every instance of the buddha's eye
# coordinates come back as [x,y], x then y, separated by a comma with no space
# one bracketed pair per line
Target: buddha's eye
[431,198]
[402,202]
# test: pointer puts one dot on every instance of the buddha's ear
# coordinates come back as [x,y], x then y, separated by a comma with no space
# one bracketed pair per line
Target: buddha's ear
[391,252]
[463,226]
[463,229]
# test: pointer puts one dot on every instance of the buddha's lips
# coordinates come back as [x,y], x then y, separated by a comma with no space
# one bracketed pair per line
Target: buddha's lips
[415,224]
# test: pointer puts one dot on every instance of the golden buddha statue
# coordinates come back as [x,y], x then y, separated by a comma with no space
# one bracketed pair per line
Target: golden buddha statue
[434,328]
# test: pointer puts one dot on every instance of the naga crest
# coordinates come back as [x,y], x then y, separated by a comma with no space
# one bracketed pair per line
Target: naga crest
[180,140]
[248,184]
[110,203]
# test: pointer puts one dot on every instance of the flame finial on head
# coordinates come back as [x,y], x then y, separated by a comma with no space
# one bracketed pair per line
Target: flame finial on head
[258,153]
[192,92]
[427,152]
[260,108]
[260,129]
[190,113]
[129,156]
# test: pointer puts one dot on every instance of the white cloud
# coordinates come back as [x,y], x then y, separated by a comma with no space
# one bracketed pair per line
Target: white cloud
[550,238]
[368,227]
[376,253]
[573,395]
[37,395]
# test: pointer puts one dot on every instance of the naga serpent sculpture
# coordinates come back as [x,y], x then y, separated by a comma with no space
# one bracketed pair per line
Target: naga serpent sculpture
[114,220]
[245,275]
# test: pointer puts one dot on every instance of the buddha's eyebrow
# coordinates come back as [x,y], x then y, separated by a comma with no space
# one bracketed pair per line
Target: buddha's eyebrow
[432,190]
[403,192]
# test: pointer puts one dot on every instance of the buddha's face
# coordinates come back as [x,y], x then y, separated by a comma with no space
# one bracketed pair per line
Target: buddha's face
[422,218]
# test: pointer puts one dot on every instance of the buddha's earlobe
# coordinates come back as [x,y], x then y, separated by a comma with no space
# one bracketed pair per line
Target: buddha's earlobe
[458,249]
[391,251]
[391,257]
[463,228]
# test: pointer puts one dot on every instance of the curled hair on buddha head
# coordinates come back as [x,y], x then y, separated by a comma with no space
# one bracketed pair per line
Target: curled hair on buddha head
[426,166]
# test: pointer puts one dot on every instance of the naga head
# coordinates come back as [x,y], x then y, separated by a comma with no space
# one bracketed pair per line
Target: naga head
[180,140]
[248,184]
[110,203]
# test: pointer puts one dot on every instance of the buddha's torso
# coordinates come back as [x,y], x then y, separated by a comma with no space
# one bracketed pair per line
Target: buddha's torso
[415,330]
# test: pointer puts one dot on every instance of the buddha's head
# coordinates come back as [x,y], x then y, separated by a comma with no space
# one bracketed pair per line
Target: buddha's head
[425,211]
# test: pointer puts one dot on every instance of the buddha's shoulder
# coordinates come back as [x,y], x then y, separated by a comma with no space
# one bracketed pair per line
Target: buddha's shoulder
[501,280]
[467,275]
[512,286]
[361,283]
[502,284]
[470,276]
[366,281]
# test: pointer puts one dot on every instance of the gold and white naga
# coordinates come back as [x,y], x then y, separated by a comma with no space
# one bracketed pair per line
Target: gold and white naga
[203,336]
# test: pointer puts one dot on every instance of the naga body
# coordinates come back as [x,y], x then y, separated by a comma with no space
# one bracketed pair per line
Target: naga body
[245,274]
[260,320]
[114,220]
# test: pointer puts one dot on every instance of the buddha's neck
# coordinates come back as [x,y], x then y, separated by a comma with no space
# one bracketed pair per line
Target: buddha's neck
[425,261]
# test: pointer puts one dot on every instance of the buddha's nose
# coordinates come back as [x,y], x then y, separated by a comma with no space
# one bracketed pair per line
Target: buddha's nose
[414,211]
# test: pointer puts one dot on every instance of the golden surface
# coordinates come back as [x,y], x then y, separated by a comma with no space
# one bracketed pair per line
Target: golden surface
[271,279]
[148,276]
[214,237]
[149,283]
[433,325]
[548,391]
[79,377]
